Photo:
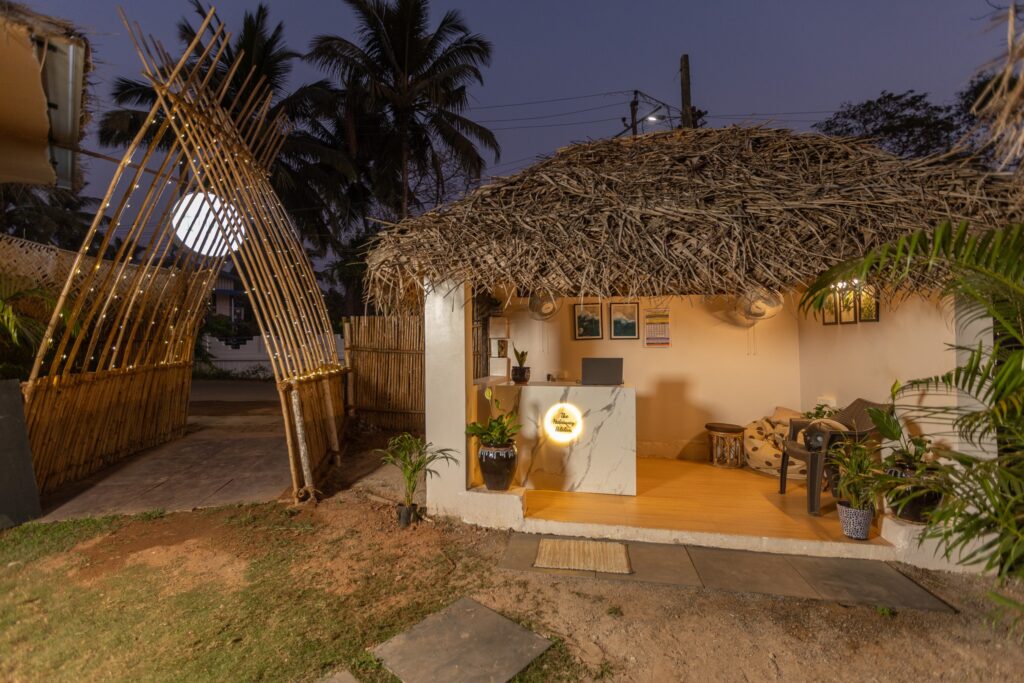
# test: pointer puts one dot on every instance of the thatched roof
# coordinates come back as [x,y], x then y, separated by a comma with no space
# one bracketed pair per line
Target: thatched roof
[705,211]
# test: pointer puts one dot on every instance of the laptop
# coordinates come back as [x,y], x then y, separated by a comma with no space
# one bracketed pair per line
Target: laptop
[602,371]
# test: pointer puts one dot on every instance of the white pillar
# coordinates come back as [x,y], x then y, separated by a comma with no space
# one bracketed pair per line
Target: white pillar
[448,375]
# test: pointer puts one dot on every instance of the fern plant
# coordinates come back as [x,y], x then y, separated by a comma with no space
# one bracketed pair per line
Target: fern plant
[980,519]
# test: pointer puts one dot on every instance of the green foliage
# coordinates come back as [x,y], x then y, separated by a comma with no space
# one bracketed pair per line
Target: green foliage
[821,410]
[858,471]
[22,307]
[497,431]
[416,81]
[980,519]
[413,456]
[908,124]
[520,356]
[48,215]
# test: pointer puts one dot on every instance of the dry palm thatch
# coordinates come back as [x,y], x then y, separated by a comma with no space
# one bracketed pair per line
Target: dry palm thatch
[113,371]
[1001,105]
[697,211]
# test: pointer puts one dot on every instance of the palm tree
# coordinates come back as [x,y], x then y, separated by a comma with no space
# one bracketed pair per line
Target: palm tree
[49,215]
[980,519]
[308,176]
[418,80]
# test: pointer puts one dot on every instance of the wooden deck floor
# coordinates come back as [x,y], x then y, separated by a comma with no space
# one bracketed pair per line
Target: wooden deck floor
[694,496]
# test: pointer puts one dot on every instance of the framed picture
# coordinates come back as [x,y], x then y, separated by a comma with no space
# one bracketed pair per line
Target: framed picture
[657,334]
[625,321]
[587,322]
[867,304]
[830,311]
[847,306]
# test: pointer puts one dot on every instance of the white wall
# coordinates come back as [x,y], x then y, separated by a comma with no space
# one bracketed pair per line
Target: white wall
[714,371]
[847,362]
[252,353]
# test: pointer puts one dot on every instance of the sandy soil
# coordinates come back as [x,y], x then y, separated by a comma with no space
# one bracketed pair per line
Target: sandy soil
[627,631]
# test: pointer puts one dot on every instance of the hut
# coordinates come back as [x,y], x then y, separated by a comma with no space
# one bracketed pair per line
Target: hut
[679,256]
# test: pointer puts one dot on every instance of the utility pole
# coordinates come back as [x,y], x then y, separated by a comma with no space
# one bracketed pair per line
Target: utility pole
[684,87]
[633,107]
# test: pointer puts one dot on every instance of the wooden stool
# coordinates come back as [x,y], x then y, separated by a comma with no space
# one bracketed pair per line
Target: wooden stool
[725,444]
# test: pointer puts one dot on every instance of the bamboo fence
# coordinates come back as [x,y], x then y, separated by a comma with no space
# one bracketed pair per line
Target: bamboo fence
[386,358]
[113,371]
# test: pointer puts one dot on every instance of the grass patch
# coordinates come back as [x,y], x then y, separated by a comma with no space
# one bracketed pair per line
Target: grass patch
[280,621]
[35,540]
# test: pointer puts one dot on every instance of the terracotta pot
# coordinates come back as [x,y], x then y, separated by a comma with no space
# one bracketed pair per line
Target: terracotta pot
[520,374]
[498,465]
[856,523]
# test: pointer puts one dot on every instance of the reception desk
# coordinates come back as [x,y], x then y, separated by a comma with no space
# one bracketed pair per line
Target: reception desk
[573,437]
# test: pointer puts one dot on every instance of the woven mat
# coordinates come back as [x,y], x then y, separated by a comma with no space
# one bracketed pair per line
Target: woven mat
[598,556]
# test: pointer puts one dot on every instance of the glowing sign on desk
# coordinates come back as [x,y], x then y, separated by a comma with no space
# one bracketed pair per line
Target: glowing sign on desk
[563,422]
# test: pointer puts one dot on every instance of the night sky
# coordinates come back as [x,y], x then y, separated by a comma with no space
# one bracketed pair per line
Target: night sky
[791,63]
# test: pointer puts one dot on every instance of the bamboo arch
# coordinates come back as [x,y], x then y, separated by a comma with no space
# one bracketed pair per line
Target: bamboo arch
[113,372]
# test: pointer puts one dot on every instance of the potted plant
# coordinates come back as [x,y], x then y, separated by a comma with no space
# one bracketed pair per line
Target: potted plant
[413,456]
[856,487]
[497,454]
[520,373]
[907,469]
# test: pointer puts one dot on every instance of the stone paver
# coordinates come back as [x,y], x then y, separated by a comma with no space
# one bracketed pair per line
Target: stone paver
[847,581]
[465,642]
[233,452]
[865,582]
[655,563]
[747,572]
[341,676]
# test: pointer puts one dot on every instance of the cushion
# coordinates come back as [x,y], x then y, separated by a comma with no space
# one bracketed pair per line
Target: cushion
[826,423]
[762,446]
[783,414]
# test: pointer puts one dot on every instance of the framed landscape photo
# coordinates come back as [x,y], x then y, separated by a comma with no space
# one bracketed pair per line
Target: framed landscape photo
[847,306]
[625,321]
[867,304]
[587,323]
[830,311]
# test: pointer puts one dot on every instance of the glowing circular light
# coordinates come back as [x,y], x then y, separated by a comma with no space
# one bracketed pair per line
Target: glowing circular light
[563,422]
[195,219]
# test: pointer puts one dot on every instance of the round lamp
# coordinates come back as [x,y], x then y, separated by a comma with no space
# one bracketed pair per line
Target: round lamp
[563,422]
[195,219]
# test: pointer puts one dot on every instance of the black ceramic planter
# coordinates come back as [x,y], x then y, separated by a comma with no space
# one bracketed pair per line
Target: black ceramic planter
[520,375]
[918,508]
[407,514]
[498,465]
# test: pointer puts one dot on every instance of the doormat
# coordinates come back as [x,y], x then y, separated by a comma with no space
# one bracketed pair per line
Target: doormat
[597,556]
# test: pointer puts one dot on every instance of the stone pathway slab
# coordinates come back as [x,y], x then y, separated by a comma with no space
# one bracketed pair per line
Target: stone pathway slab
[741,571]
[661,564]
[865,582]
[465,642]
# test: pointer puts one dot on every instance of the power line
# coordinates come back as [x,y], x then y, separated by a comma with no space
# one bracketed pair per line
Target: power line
[556,125]
[551,116]
[555,99]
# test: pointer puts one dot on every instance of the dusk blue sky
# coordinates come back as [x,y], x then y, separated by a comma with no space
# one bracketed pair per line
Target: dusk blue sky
[747,56]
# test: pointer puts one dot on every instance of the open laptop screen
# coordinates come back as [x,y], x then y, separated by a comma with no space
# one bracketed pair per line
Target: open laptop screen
[602,371]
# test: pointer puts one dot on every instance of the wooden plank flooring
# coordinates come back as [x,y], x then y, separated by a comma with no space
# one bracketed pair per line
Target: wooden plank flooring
[694,496]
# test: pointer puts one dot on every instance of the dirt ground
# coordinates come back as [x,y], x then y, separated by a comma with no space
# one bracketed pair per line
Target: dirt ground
[616,630]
